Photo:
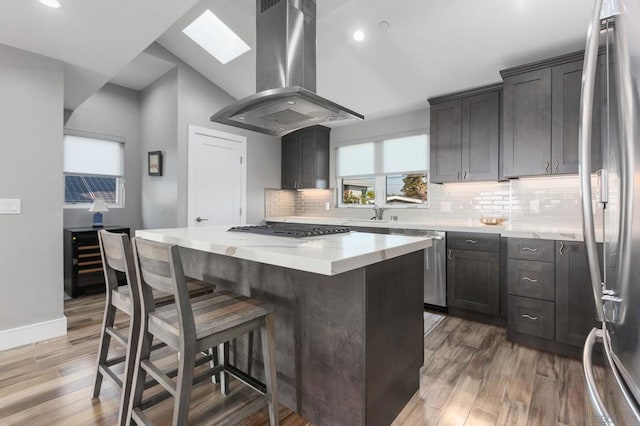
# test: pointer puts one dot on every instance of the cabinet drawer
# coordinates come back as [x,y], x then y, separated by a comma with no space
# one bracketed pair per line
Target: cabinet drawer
[531,249]
[531,316]
[531,279]
[473,241]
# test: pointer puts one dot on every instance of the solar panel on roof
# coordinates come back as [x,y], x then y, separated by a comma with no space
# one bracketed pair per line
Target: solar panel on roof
[85,189]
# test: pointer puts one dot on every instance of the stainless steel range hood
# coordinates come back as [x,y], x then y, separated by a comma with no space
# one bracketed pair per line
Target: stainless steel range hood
[285,74]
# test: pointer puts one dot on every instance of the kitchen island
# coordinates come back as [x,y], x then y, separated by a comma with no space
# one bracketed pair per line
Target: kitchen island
[348,314]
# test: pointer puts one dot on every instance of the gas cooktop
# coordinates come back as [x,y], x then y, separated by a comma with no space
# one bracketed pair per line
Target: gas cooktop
[292,230]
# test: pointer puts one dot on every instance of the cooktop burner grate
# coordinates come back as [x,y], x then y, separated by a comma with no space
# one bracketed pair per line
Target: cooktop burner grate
[292,230]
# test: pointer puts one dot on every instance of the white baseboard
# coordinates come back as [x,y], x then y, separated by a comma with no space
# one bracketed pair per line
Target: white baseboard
[31,333]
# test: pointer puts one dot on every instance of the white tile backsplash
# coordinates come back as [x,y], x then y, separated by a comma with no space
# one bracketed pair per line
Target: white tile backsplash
[528,202]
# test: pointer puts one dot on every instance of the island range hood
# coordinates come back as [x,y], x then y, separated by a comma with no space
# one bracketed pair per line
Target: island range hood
[285,74]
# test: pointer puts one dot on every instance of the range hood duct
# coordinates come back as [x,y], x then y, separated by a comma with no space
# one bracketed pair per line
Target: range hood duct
[285,74]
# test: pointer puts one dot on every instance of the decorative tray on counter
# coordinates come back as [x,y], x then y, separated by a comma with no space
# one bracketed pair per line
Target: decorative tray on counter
[492,220]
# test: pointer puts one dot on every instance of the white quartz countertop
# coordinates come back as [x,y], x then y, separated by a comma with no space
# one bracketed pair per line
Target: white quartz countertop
[326,255]
[545,232]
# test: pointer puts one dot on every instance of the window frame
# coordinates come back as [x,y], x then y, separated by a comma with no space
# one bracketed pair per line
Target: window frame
[120,180]
[380,179]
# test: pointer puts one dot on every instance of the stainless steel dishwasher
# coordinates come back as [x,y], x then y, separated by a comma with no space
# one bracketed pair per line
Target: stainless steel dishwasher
[435,266]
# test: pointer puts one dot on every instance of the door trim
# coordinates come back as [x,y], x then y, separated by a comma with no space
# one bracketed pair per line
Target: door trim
[242,140]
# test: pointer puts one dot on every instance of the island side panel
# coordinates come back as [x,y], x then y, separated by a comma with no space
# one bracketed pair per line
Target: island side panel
[394,335]
[319,332]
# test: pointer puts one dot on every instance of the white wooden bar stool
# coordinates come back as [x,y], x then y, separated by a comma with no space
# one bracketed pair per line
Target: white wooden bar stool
[190,327]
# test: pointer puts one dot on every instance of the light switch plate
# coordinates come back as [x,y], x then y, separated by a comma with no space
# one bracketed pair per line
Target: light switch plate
[10,205]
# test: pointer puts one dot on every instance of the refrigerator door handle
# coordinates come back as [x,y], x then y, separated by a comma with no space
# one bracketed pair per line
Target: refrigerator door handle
[584,137]
[590,383]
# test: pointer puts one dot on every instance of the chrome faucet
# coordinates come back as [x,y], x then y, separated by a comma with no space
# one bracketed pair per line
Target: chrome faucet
[377,212]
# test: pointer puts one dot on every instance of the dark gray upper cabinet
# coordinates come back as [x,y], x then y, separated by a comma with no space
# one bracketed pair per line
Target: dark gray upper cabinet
[305,158]
[526,148]
[465,135]
[445,142]
[541,107]
[481,136]
[566,84]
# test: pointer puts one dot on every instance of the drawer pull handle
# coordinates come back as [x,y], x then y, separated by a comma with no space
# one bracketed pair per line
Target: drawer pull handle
[449,254]
[561,248]
[530,317]
[531,280]
[472,241]
[529,249]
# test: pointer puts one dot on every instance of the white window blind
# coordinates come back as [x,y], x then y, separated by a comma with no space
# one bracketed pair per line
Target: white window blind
[356,160]
[91,156]
[408,154]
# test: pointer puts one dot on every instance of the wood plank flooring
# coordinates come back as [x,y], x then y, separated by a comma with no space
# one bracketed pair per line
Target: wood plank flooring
[471,376]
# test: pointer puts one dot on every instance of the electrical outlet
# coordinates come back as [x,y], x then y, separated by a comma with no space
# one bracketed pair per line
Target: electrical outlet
[327,205]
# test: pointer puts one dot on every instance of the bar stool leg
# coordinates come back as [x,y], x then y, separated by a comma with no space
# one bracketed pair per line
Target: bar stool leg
[139,374]
[185,384]
[213,353]
[129,369]
[105,341]
[269,357]
[223,358]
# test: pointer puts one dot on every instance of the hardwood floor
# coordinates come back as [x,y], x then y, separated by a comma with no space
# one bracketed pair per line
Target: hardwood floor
[471,376]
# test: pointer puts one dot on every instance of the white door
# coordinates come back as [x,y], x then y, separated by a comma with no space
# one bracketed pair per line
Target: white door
[216,178]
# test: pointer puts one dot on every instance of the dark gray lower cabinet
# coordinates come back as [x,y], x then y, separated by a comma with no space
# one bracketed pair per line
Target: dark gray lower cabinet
[533,317]
[473,281]
[575,306]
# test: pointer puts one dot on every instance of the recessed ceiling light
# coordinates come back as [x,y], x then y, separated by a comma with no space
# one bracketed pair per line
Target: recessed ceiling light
[358,35]
[291,102]
[215,37]
[384,25]
[241,117]
[51,3]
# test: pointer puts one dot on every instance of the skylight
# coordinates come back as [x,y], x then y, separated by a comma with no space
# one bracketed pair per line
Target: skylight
[215,37]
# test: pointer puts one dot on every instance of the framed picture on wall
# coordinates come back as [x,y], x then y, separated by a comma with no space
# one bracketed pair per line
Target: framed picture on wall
[155,163]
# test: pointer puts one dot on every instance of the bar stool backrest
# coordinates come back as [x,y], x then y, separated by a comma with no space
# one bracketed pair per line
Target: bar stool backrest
[159,267]
[117,256]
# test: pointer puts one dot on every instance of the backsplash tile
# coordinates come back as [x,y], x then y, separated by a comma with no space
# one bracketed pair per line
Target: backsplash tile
[525,203]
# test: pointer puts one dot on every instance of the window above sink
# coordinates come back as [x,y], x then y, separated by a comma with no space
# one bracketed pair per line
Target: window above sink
[390,173]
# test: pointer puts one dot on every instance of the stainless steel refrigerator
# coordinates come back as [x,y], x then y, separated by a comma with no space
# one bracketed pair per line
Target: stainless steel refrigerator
[616,286]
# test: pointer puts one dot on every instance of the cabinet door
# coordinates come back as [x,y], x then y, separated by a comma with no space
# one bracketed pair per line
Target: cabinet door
[446,142]
[314,159]
[290,161]
[480,136]
[473,281]
[567,81]
[575,307]
[527,124]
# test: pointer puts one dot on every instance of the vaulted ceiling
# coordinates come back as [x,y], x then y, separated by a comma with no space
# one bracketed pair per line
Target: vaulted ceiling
[431,47]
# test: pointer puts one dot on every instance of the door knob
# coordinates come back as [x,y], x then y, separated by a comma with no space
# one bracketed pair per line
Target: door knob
[201,219]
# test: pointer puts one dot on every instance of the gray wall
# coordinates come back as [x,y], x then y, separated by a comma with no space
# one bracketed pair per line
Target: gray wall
[31,109]
[114,111]
[159,133]
[196,100]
